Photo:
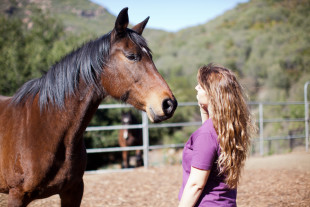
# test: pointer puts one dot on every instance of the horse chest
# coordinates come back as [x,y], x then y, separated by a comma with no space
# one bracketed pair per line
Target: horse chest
[125,134]
[64,173]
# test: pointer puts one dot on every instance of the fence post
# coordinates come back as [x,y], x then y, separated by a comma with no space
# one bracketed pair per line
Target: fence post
[261,129]
[145,131]
[306,115]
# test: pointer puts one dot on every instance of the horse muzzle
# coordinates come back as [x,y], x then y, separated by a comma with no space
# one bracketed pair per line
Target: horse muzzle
[168,107]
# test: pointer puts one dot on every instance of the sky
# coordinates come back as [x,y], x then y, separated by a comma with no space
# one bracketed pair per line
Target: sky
[170,15]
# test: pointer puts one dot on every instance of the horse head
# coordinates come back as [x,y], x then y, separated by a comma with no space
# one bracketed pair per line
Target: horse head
[131,75]
[127,118]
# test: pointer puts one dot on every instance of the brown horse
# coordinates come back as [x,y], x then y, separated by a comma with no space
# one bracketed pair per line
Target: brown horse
[130,137]
[42,151]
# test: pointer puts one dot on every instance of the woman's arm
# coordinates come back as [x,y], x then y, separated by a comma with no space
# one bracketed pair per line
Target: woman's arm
[194,186]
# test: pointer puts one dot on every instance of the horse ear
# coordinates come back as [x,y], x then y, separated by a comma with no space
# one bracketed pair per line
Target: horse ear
[140,27]
[121,22]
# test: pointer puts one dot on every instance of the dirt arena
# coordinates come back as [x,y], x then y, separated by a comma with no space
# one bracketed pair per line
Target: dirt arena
[279,180]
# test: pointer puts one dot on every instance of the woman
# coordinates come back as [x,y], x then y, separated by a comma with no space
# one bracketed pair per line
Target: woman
[214,155]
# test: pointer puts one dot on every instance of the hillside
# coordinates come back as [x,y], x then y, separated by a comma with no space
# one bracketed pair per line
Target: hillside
[265,42]
[78,16]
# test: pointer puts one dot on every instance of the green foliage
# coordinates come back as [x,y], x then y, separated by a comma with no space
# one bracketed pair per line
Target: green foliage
[12,57]
[107,117]
[25,49]
[266,43]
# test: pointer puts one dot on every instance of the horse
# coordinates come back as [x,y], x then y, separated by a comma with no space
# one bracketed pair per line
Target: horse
[130,137]
[42,151]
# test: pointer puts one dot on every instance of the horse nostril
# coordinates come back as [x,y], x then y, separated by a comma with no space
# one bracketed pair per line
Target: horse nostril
[169,106]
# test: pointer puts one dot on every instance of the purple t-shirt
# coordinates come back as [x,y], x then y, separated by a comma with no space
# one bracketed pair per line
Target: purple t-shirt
[202,151]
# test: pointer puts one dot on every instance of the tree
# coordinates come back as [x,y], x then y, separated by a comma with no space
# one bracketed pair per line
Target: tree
[25,47]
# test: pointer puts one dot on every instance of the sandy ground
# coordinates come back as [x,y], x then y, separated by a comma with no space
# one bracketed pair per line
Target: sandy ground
[279,180]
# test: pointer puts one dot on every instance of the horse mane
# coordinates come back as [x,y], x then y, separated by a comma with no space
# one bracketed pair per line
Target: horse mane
[63,78]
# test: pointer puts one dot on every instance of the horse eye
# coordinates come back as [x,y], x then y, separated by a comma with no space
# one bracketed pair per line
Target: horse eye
[133,57]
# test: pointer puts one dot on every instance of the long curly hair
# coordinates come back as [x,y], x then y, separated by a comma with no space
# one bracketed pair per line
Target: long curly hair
[232,119]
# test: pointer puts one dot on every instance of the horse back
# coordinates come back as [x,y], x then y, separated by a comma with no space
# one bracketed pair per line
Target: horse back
[32,144]
[5,113]
[4,104]
[13,142]
[4,99]
[4,116]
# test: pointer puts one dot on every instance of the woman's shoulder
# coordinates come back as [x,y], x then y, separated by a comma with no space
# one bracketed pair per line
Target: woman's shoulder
[207,128]
[205,138]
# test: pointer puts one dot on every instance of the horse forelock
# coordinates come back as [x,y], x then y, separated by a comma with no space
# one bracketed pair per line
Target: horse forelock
[139,41]
[62,79]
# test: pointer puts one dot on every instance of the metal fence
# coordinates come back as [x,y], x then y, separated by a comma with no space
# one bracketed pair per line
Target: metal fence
[145,126]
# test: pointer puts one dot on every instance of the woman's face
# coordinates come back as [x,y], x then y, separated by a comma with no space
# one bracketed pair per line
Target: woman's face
[201,96]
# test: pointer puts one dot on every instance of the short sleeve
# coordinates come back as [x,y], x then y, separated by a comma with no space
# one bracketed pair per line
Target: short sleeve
[204,151]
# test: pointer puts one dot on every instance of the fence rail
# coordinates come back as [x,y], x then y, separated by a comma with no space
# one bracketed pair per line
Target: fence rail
[145,126]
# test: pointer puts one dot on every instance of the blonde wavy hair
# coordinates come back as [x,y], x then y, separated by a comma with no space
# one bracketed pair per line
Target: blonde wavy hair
[231,118]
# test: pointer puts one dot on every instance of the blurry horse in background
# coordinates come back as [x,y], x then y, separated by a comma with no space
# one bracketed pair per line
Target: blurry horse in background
[42,150]
[130,137]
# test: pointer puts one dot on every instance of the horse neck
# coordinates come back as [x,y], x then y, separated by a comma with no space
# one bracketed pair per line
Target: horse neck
[73,119]
[82,108]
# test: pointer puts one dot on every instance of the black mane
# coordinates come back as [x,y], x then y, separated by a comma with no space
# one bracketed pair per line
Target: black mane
[62,79]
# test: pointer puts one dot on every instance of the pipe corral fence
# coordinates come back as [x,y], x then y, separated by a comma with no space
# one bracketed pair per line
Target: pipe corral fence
[145,126]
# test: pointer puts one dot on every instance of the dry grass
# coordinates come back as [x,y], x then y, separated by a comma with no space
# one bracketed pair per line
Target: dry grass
[280,180]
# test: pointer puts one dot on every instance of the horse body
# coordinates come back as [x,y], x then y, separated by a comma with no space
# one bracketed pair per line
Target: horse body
[39,155]
[130,137]
[42,152]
